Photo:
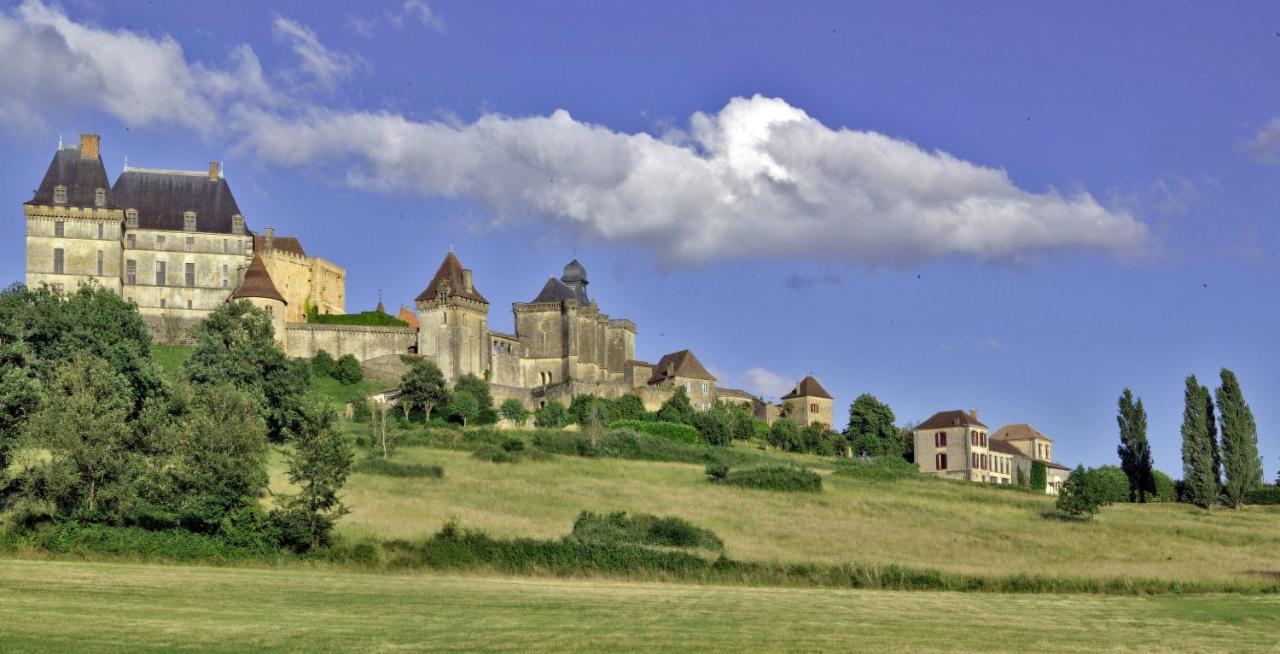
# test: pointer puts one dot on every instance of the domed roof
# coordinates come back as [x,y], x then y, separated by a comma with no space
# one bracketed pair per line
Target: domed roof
[574,272]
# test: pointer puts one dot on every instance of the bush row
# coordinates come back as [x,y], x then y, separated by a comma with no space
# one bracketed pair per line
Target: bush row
[774,478]
[375,465]
[675,431]
[642,529]
[1263,495]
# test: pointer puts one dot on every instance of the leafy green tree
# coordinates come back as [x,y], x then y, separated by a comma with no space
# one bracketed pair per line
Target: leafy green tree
[677,408]
[816,439]
[871,429]
[1166,487]
[716,426]
[589,410]
[1134,450]
[742,425]
[1111,483]
[1039,476]
[628,407]
[906,436]
[1240,461]
[319,462]
[424,387]
[465,406]
[513,410]
[784,434]
[347,369]
[1211,424]
[1197,448]
[322,364]
[478,388]
[89,469]
[20,395]
[236,345]
[551,416]
[1078,496]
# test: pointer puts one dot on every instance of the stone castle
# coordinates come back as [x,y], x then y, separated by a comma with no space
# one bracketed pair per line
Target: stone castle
[175,243]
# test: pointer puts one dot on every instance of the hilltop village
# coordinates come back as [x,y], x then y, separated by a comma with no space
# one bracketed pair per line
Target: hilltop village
[175,243]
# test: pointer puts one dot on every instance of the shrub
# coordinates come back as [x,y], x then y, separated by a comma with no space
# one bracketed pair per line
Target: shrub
[628,407]
[1166,487]
[668,430]
[322,364]
[513,445]
[551,416]
[513,410]
[172,544]
[1079,496]
[717,471]
[785,435]
[589,410]
[884,468]
[774,478]
[642,529]
[389,468]
[715,426]
[360,409]
[366,318]
[1263,495]
[347,370]
[1111,483]
[496,454]
[1039,476]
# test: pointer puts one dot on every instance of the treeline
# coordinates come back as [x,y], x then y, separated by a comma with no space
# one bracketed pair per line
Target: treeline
[90,433]
[1220,459]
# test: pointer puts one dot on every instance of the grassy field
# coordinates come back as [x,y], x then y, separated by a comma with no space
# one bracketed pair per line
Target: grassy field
[923,523]
[96,607]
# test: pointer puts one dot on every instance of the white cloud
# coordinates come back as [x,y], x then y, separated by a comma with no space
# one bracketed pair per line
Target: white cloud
[767,383]
[321,64]
[419,11]
[759,178]
[1265,144]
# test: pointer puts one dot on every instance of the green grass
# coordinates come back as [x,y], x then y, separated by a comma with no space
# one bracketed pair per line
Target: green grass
[921,523]
[96,607]
[169,358]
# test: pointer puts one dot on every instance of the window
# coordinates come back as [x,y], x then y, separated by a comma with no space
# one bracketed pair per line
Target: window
[189,221]
[704,388]
[131,272]
[130,241]
[973,461]
[190,244]
[100,231]
[270,313]
[237,224]
[99,262]
[57,261]
[983,437]
[191,274]
[59,194]
[160,242]
[162,303]
[160,273]
[59,228]
[100,198]
[189,305]
[982,458]
[131,218]
[940,439]
[226,246]
[940,461]
[224,275]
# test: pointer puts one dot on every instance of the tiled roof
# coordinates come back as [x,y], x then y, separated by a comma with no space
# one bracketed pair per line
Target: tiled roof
[734,392]
[409,317]
[161,197]
[679,364]
[1003,447]
[956,418]
[808,387]
[1019,432]
[449,277]
[81,176]
[257,283]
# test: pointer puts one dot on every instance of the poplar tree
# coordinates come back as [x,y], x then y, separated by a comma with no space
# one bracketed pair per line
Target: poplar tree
[1240,461]
[1134,450]
[1197,448]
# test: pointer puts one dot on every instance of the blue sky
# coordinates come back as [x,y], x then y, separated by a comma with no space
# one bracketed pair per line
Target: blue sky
[1003,206]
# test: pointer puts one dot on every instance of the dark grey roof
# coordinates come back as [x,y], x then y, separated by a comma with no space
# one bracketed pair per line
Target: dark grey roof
[574,272]
[555,291]
[161,197]
[82,177]
[679,364]
[449,282]
[956,418]
[808,387]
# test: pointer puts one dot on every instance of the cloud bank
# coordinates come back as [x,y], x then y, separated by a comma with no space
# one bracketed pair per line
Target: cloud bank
[759,178]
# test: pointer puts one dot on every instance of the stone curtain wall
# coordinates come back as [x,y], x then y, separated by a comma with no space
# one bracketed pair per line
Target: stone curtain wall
[304,339]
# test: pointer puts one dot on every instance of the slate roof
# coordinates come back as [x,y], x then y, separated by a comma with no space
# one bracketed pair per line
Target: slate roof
[679,364]
[944,419]
[161,197]
[450,274]
[808,387]
[82,177]
[257,283]
[288,244]
[1019,432]
[555,291]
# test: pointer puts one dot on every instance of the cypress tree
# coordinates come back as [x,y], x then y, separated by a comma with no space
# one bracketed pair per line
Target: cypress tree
[1197,450]
[1240,459]
[1134,450]
[1211,422]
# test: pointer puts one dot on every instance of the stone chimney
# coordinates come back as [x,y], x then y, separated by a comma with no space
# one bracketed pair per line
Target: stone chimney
[466,281]
[270,237]
[973,413]
[215,171]
[89,146]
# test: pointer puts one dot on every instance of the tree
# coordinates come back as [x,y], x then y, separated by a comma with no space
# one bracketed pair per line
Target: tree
[551,416]
[628,407]
[347,369]
[908,439]
[1134,450]
[89,470]
[236,345]
[716,426]
[1078,496]
[513,410]
[1212,425]
[871,430]
[677,408]
[1166,487]
[1197,448]
[379,424]
[322,364]
[423,386]
[1111,484]
[1240,461]
[478,388]
[1039,481]
[784,434]
[319,463]
[465,406]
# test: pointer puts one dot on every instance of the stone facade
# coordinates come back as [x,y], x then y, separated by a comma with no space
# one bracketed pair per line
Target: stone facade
[364,343]
[305,281]
[956,445]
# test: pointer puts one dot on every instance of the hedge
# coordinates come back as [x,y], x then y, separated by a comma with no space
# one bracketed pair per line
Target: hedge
[669,430]
[1263,495]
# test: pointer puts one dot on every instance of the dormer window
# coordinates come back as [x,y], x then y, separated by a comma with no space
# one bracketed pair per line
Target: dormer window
[59,194]
[131,218]
[237,224]
[100,198]
[189,221]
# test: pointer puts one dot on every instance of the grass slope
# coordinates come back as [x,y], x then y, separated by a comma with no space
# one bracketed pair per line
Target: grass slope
[95,607]
[923,523]
[171,357]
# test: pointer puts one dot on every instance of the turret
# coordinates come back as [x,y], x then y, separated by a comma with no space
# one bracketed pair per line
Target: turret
[454,321]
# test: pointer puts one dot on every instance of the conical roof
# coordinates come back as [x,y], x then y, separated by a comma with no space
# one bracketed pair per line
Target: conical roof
[808,387]
[257,283]
[448,283]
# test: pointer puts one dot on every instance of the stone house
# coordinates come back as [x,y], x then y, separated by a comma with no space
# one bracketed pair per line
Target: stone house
[809,404]
[956,445]
[1026,444]
[303,280]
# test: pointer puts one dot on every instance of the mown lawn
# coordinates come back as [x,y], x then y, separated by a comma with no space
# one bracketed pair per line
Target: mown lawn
[106,607]
[923,523]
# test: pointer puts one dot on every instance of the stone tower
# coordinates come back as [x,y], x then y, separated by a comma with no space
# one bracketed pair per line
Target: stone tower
[454,319]
[73,224]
